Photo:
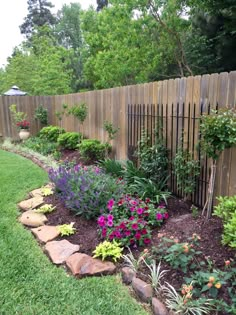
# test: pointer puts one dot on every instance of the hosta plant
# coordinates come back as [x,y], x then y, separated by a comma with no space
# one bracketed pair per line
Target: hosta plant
[47,208]
[112,250]
[66,229]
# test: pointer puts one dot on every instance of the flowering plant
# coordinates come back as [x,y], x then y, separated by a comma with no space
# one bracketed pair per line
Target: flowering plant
[130,219]
[24,124]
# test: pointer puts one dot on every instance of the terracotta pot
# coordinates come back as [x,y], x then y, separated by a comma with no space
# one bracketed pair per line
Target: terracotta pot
[24,134]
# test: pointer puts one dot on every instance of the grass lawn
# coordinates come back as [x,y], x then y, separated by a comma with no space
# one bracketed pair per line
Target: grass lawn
[29,283]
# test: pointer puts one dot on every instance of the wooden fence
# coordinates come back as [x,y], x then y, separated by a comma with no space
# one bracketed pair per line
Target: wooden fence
[112,104]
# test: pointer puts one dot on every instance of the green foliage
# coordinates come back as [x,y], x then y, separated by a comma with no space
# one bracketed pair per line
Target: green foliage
[186,170]
[218,131]
[41,114]
[41,146]
[69,140]
[146,188]
[93,149]
[46,191]
[153,159]
[110,129]
[155,275]
[178,255]
[112,250]
[66,229]
[134,263]
[195,211]
[226,210]
[112,167]
[64,111]
[131,172]
[46,208]
[51,133]
[79,111]
[16,115]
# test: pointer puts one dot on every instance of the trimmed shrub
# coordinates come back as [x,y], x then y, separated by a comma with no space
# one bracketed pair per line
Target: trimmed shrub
[69,140]
[51,133]
[91,149]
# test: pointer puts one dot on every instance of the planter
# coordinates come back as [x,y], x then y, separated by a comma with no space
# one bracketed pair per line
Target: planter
[24,134]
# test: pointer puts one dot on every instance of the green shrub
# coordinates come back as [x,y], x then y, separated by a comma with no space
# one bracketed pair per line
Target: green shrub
[69,140]
[41,114]
[226,210]
[51,133]
[91,149]
[131,171]
[41,146]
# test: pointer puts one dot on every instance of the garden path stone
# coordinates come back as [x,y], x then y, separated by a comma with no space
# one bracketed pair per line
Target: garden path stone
[32,218]
[142,289]
[59,251]
[36,193]
[31,203]
[84,265]
[127,275]
[46,233]
[158,307]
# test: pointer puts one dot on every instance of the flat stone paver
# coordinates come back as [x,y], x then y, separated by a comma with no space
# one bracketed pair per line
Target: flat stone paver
[32,218]
[31,203]
[36,193]
[59,251]
[84,265]
[46,233]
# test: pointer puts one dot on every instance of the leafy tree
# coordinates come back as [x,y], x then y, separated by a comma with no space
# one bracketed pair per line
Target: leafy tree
[39,14]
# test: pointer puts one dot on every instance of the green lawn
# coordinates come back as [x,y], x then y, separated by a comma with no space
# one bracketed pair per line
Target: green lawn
[29,283]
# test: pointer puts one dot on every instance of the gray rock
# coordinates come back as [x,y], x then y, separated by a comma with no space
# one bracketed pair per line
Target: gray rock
[59,251]
[142,289]
[127,275]
[158,307]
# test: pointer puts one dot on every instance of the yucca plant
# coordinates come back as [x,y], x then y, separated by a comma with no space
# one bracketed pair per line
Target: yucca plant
[155,275]
[132,262]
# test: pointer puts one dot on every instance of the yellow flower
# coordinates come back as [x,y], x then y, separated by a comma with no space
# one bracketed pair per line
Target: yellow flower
[218,285]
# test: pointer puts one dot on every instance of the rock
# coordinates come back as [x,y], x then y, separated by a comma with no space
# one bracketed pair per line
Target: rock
[36,193]
[31,203]
[32,218]
[127,275]
[158,307]
[84,265]
[46,233]
[59,251]
[181,218]
[142,289]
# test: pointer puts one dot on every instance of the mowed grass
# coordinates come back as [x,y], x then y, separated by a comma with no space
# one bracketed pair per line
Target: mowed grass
[29,283]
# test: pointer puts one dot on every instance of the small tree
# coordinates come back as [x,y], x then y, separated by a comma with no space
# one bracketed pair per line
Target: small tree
[111,130]
[41,114]
[80,112]
[218,132]
[61,113]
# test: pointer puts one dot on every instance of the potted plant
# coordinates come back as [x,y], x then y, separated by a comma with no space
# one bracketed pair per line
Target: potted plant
[23,127]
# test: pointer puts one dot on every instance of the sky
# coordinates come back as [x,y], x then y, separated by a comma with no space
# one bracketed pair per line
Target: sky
[12,14]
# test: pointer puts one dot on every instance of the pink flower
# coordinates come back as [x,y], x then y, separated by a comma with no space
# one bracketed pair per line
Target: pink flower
[110,204]
[132,209]
[140,211]
[110,223]
[101,221]
[131,218]
[110,217]
[133,202]
[137,236]
[111,236]
[117,234]
[147,241]
[122,225]
[147,200]
[166,215]
[144,231]
[159,216]
[135,226]
[104,232]
[127,233]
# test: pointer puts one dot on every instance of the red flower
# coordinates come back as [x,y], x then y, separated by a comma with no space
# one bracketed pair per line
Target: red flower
[127,233]
[134,226]
[166,215]
[137,236]
[144,231]
[147,241]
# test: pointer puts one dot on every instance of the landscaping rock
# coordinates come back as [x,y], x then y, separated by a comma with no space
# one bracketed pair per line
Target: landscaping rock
[59,251]
[46,233]
[158,307]
[84,265]
[32,218]
[127,275]
[36,193]
[181,218]
[31,203]
[142,289]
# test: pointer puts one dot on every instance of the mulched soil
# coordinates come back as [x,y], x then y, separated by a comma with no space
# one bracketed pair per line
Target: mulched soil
[181,225]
